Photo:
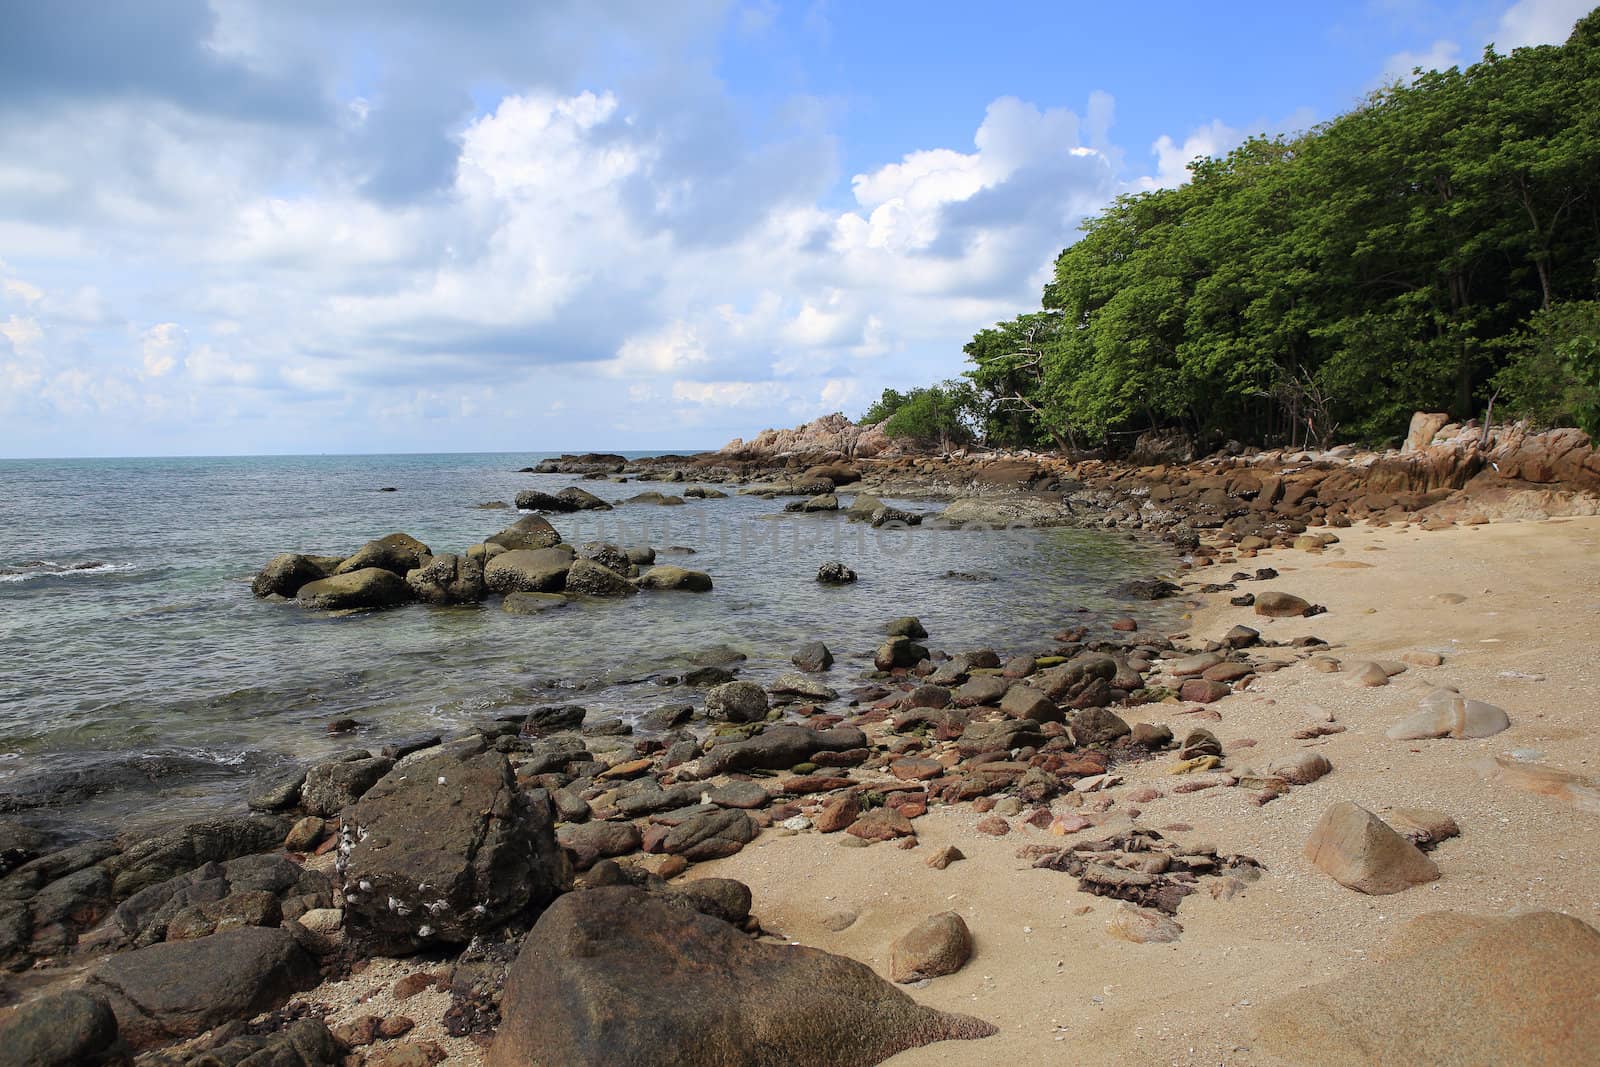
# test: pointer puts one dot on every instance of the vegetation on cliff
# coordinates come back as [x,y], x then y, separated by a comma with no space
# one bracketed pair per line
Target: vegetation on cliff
[1436,248]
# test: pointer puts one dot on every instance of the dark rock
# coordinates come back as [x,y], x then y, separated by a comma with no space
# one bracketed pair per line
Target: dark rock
[65,1029]
[329,787]
[581,500]
[549,718]
[835,573]
[1098,726]
[720,898]
[613,976]
[779,747]
[813,656]
[284,574]
[898,651]
[1279,605]
[737,702]
[303,1043]
[711,836]
[178,989]
[906,626]
[595,841]
[443,848]
[534,500]
[155,859]
[662,719]
[1025,702]
[1146,589]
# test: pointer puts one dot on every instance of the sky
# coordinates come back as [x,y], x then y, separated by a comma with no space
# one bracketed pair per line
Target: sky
[302,226]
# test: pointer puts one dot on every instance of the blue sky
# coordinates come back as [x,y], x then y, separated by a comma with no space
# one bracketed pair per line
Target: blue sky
[254,226]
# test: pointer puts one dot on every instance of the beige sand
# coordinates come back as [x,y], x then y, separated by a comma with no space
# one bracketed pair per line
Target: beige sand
[1045,970]
[1063,991]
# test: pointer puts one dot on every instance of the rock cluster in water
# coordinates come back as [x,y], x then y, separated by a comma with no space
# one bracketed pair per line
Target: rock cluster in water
[527,564]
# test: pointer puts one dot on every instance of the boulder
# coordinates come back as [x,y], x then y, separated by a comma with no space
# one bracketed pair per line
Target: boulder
[591,842]
[1301,769]
[330,787]
[898,651]
[615,976]
[608,555]
[1514,990]
[1098,726]
[813,657]
[284,574]
[448,579]
[1424,426]
[862,507]
[778,748]
[529,532]
[938,945]
[370,587]
[397,553]
[528,570]
[535,500]
[178,989]
[581,500]
[445,847]
[712,835]
[835,573]
[667,576]
[58,1030]
[1026,702]
[906,626]
[1277,605]
[984,689]
[1359,850]
[737,702]
[1446,714]
[155,859]
[588,578]
[791,684]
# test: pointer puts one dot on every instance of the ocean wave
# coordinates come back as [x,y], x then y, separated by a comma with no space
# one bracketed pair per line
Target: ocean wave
[35,569]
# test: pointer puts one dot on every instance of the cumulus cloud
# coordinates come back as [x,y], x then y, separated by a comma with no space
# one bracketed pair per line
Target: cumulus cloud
[1523,24]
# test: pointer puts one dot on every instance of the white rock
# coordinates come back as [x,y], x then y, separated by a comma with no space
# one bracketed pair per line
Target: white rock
[1447,714]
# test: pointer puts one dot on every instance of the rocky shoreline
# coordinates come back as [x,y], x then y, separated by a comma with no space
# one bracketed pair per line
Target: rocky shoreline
[546,889]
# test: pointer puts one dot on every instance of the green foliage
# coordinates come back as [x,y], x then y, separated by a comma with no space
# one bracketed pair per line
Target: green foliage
[1553,375]
[937,414]
[1435,244]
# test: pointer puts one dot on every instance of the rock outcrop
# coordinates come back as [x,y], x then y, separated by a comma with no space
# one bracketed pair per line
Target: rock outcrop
[613,975]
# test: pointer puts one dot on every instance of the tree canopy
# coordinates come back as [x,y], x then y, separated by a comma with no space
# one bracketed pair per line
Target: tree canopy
[1437,247]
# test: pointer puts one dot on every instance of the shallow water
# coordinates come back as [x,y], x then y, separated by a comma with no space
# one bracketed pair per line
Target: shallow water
[150,684]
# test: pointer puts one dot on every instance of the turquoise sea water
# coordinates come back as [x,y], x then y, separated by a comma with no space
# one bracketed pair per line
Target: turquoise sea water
[140,681]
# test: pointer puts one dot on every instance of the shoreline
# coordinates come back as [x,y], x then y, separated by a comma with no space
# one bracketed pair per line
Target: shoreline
[1043,956]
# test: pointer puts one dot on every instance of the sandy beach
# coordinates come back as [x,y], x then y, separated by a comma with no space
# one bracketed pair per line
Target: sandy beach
[1061,989]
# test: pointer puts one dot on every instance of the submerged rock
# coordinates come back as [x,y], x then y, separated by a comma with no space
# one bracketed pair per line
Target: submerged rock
[285,574]
[612,976]
[667,576]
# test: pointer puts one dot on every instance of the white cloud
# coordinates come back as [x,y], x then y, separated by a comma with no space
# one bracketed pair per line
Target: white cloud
[1215,138]
[161,346]
[1533,22]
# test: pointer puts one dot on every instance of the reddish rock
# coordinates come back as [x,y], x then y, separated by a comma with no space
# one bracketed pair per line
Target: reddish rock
[916,769]
[993,825]
[838,813]
[813,783]
[881,824]
[1203,691]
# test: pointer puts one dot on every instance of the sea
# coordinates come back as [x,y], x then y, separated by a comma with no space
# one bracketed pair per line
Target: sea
[141,683]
